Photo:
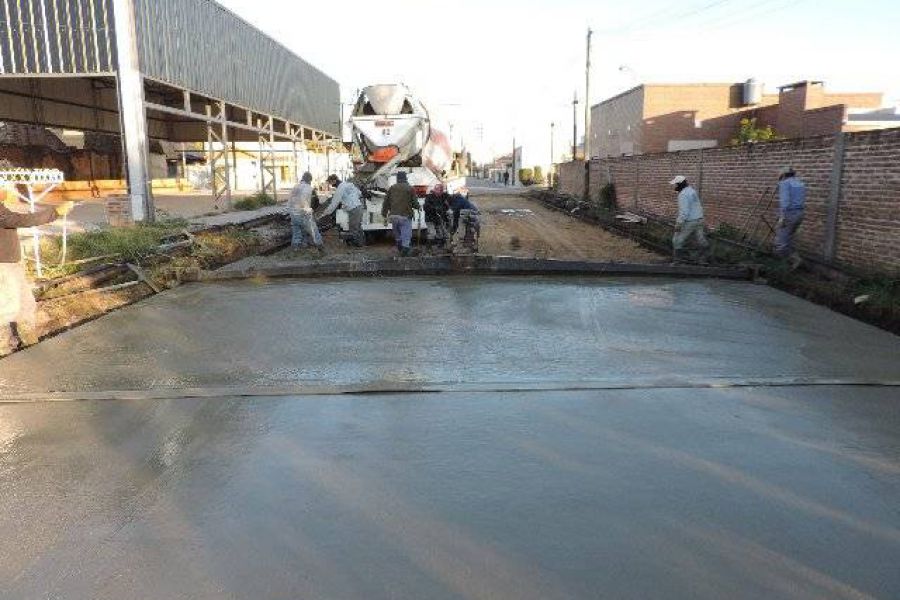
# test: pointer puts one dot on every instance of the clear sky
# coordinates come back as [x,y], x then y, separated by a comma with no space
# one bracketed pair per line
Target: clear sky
[499,68]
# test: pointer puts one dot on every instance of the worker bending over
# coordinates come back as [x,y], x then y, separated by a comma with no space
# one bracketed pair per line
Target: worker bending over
[347,196]
[464,211]
[791,204]
[303,223]
[399,207]
[689,222]
[17,304]
[437,218]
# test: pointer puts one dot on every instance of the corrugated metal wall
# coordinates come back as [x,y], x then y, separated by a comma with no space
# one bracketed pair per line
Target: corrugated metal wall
[192,44]
[56,36]
[199,45]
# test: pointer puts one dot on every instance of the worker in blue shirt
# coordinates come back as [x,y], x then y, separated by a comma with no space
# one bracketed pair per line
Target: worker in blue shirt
[791,205]
[461,205]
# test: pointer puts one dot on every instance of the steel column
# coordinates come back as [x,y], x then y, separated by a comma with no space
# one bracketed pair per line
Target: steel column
[133,116]
[217,156]
[267,177]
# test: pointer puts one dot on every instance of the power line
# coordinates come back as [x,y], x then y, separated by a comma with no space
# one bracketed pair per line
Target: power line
[638,20]
[762,8]
[671,19]
[730,19]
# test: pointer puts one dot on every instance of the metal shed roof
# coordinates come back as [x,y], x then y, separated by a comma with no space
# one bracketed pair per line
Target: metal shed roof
[197,45]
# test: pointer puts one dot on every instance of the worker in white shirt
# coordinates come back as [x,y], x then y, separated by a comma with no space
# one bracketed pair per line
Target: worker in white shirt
[689,222]
[303,224]
[349,197]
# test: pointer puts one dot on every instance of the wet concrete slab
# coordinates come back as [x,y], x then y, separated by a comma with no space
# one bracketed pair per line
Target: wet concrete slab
[785,493]
[504,483]
[381,332]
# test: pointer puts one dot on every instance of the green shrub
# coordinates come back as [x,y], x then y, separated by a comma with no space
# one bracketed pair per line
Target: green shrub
[748,133]
[608,199]
[538,175]
[254,202]
[526,176]
[727,231]
[881,291]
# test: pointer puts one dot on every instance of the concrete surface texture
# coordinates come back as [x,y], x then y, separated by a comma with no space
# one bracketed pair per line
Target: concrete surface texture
[458,329]
[654,492]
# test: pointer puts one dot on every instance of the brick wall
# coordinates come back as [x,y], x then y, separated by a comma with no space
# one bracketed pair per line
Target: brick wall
[869,216]
[731,182]
[570,178]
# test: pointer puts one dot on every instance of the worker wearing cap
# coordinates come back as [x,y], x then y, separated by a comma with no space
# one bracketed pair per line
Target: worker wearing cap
[347,196]
[17,304]
[400,206]
[791,205]
[689,222]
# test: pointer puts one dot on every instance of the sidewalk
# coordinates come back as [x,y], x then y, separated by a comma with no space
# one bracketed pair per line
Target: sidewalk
[237,217]
[90,215]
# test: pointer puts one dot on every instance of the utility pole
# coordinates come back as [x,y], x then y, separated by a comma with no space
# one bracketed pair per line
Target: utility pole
[512,175]
[587,98]
[552,125]
[575,126]
[587,119]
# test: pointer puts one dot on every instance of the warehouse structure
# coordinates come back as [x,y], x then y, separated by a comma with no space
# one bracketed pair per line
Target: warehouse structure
[177,70]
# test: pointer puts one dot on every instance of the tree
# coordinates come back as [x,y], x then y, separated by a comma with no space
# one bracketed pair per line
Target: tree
[749,133]
[526,176]
[538,175]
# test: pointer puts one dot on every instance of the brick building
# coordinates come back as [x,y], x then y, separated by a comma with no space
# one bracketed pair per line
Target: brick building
[663,118]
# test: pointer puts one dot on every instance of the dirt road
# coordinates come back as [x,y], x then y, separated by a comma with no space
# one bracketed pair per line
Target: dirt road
[514,225]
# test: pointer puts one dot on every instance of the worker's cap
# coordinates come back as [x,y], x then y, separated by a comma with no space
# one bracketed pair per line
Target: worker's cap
[678,180]
[786,170]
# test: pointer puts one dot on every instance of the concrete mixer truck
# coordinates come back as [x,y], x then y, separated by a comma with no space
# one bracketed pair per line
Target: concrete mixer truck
[392,131]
